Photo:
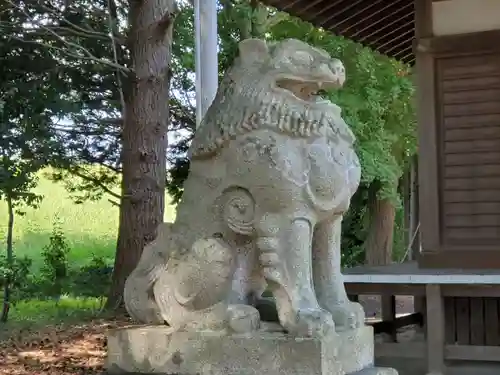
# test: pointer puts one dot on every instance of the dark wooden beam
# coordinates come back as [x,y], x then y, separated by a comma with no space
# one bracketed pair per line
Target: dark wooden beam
[383,25]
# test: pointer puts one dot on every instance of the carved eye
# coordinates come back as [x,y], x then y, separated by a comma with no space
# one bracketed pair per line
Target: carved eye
[337,66]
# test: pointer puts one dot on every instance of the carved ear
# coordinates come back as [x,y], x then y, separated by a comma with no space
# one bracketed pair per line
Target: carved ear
[252,50]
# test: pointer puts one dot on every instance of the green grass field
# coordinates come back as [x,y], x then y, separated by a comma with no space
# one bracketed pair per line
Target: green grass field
[90,228]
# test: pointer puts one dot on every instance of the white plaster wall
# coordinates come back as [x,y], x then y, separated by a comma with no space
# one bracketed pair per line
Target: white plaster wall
[465,16]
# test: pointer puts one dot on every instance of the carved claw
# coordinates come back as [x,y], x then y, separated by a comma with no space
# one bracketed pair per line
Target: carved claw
[312,323]
[349,315]
[272,266]
[243,318]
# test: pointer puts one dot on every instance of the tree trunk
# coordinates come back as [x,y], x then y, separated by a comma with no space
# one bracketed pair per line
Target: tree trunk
[405,191]
[415,215]
[10,259]
[144,136]
[378,244]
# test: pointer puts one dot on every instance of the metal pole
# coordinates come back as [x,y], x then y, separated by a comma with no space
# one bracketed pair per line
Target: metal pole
[209,53]
[207,72]
[198,71]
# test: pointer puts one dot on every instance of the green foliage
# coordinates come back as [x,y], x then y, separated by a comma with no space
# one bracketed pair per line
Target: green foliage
[355,229]
[87,182]
[88,228]
[93,279]
[54,271]
[15,274]
[59,84]
[56,277]
[26,140]
[400,246]
[78,77]
[17,179]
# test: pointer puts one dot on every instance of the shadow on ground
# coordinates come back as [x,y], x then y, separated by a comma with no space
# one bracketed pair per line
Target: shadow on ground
[57,350]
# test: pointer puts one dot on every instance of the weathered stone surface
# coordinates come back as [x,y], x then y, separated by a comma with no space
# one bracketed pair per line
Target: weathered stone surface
[377,371]
[272,172]
[162,350]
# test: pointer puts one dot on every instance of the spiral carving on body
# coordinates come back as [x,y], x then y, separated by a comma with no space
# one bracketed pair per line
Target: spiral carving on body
[272,172]
[239,211]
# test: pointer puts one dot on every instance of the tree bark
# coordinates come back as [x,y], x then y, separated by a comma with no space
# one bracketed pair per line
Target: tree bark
[10,259]
[405,191]
[144,136]
[415,215]
[378,244]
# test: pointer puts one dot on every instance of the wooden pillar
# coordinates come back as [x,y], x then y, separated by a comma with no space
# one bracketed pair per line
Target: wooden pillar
[419,304]
[435,330]
[426,116]
[388,307]
[426,164]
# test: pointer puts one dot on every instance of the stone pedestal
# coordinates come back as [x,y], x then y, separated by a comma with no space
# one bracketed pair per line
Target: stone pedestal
[160,350]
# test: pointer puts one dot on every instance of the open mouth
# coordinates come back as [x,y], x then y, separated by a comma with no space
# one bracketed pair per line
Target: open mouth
[308,91]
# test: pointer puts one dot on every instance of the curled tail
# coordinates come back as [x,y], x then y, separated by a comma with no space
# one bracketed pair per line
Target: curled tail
[138,293]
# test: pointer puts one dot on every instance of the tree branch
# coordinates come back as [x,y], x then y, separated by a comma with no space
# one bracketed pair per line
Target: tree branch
[86,53]
[112,18]
[166,21]
[87,31]
[114,203]
[70,54]
[75,171]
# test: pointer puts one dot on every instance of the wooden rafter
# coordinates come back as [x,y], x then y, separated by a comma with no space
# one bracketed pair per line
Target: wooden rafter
[387,26]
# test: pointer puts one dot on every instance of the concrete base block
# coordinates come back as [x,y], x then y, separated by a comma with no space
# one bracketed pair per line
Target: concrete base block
[160,350]
[376,371]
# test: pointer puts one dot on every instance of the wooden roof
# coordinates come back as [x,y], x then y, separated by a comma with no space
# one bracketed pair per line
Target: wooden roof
[387,26]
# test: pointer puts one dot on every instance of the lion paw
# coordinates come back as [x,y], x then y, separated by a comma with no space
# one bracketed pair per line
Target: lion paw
[313,323]
[243,318]
[349,315]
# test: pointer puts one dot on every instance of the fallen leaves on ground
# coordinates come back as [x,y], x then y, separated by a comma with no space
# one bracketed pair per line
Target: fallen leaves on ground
[57,350]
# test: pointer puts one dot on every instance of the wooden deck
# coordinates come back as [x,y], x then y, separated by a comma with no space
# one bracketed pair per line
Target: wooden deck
[409,273]
[460,310]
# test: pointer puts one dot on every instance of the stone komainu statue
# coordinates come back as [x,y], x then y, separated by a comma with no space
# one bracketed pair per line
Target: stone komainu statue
[272,173]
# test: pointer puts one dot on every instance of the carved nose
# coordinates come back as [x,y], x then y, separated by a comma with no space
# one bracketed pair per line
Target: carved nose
[338,70]
[325,71]
[333,75]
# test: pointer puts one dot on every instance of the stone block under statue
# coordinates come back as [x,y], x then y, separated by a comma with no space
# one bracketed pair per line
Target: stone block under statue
[163,350]
[272,172]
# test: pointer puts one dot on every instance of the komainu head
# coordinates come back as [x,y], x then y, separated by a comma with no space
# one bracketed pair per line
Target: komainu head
[273,85]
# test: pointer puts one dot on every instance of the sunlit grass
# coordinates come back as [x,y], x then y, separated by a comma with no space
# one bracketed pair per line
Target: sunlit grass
[47,310]
[90,228]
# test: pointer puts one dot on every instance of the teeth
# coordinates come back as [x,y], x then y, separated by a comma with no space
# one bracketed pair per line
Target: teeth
[320,100]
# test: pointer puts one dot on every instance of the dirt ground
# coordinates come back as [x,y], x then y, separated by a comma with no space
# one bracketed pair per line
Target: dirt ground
[58,350]
[80,349]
